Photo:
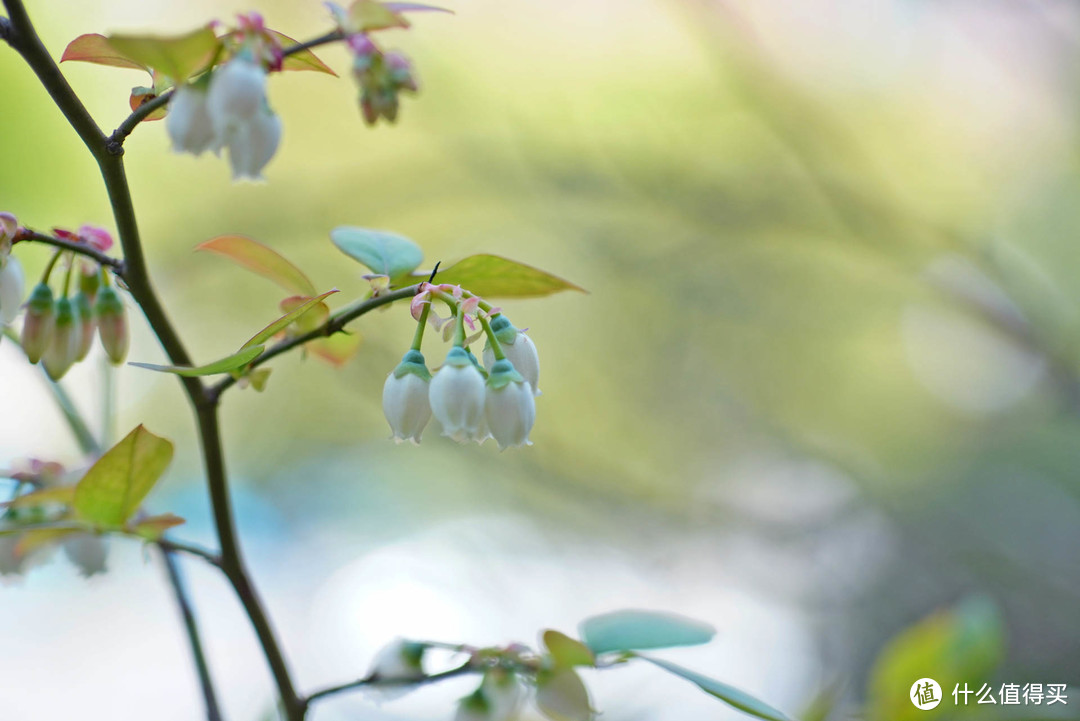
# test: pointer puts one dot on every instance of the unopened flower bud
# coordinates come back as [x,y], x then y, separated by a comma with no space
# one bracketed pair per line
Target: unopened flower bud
[509,405]
[38,324]
[188,122]
[60,354]
[405,398]
[399,660]
[89,279]
[457,396]
[112,324]
[86,322]
[12,288]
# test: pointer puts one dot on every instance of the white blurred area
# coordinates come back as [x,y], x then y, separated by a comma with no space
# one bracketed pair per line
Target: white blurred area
[114,644]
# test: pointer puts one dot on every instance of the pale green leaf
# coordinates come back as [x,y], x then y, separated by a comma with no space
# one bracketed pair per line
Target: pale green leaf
[567,652]
[115,486]
[229,363]
[728,694]
[385,253]
[492,276]
[561,696]
[177,56]
[639,630]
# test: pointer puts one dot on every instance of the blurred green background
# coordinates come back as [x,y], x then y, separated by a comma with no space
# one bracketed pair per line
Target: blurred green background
[825,382]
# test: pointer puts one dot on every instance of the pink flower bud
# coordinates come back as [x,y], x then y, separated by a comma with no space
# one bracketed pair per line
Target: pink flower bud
[38,324]
[112,324]
[60,354]
[86,322]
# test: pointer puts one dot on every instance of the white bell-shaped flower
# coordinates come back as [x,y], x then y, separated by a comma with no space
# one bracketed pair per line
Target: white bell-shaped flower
[241,118]
[188,122]
[12,290]
[509,405]
[252,147]
[405,398]
[399,660]
[457,396]
[87,551]
[518,348]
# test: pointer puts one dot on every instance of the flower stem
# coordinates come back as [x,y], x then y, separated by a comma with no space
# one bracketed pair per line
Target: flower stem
[496,346]
[418,337]
[50,265]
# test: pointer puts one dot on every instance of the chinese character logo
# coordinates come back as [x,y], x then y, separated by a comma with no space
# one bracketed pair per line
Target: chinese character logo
[925,694]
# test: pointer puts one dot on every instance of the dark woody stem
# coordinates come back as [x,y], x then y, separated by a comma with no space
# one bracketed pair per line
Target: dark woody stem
[27,235]
[19,32]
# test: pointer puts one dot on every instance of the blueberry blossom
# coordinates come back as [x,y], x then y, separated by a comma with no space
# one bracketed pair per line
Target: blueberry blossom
[457,396]
[188,122]
[509,405]
[399,660]
[405,398]
[241,117]
[518,348]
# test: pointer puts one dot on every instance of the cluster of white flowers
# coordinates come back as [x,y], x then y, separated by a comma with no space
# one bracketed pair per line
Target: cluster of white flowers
[470,401]
[227,109]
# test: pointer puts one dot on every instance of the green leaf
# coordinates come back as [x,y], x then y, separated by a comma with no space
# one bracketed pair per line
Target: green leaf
[260,259]
[115,486]
[385,253]
[368,15]
[567,652]
[42,497]
[178,56]
[286,320]
[303,60]
[639,630]
[561,696]
[957,645]
[728,694]
[152,528]
[95,48]
[493,276]
[230,363]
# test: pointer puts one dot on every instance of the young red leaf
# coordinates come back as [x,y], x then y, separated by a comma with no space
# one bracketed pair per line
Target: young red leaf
[337,350]
[95,48]
[260,259]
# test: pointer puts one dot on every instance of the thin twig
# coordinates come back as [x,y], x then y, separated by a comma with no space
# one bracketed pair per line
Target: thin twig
[335,324]
[84,249]
[144,111]
[191,625]
[173,546]
[375,682]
